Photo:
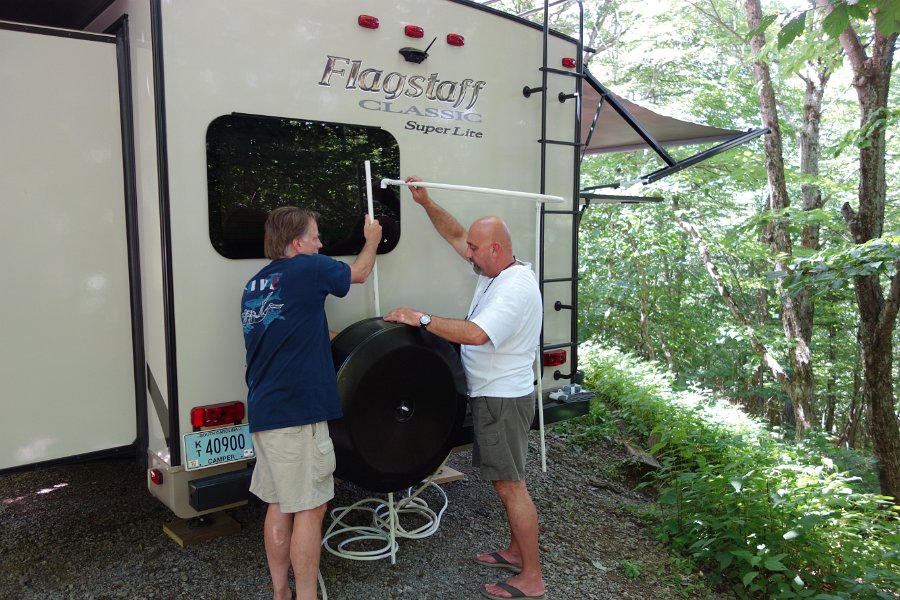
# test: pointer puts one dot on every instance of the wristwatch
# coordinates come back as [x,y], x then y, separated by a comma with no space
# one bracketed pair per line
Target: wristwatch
[424,321]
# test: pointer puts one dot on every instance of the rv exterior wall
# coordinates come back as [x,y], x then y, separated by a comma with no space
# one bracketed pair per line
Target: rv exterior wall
[144,94]
[66,344]
[458,117]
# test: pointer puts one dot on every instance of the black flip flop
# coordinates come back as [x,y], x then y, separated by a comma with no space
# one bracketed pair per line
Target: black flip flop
[499,562]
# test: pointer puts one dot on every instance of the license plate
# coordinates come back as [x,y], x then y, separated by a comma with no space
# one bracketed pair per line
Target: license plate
[217,447]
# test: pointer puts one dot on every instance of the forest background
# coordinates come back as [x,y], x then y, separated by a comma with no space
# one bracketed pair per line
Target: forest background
[768,277]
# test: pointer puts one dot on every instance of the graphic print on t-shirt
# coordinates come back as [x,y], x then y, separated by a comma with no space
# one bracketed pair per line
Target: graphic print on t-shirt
[263,310]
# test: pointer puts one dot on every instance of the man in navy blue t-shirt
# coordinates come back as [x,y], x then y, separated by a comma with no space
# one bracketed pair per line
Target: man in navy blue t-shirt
[293,389]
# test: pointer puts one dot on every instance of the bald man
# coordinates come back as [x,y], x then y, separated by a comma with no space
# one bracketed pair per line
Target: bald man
[498,339]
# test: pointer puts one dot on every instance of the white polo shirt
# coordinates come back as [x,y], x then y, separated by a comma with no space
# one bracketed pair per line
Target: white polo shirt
[509,309]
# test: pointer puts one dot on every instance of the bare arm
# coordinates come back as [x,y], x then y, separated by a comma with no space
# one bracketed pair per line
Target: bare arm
[458,331]
[365,261]
[445,223]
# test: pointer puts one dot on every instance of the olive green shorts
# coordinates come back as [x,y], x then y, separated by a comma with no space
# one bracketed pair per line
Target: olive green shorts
[501,435]
[294,467]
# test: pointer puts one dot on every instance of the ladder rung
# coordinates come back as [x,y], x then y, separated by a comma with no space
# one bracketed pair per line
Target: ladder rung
[560,142]
[561,72]
[557,346]
[559,280]
[562,212]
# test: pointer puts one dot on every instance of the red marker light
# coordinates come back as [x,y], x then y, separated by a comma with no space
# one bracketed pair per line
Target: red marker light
[414,31]
[569,63]
[367,21]
[214,415]
[454,39]
[156,476]
[554,358]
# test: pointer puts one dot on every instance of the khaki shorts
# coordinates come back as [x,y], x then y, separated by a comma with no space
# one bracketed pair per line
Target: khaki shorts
[294,467]
[501,435]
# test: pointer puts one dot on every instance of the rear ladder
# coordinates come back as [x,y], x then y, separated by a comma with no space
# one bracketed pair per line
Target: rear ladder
[569,402]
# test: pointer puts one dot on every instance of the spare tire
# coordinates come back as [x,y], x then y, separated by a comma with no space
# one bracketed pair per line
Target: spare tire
[403,393]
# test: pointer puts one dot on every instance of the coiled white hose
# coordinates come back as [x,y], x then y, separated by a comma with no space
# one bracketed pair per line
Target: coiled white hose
[385,523]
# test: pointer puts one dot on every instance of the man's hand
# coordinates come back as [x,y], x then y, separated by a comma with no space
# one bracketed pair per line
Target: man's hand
[444,223]
[365,261]
[404,315]
[458,331]
[419,194]
[372,231]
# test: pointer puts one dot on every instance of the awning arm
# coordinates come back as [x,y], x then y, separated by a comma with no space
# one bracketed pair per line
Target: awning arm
[593,127]
[617,199]
[750,134]
[655,176]
[629,118]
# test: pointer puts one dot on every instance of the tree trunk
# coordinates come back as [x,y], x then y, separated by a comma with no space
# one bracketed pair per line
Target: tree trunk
[667,352]
[878,313]
[646,342]
[854,415]
[643,303]
[756,343]
[800,384]
[766,408]
[831,384]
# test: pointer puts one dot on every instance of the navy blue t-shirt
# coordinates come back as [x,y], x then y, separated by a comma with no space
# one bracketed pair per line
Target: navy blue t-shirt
[290,373]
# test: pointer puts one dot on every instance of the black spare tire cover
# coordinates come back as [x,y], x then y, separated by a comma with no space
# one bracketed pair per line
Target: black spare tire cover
[403,392]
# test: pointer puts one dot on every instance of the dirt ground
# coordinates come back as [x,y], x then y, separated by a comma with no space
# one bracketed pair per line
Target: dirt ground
[93,531]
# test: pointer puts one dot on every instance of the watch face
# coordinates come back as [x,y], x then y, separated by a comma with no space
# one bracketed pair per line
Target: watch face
[424,320]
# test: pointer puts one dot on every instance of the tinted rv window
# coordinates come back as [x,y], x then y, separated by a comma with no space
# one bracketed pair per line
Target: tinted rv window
[255,164]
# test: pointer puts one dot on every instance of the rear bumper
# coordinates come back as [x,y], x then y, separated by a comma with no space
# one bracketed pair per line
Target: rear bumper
[194,493]
[224,489]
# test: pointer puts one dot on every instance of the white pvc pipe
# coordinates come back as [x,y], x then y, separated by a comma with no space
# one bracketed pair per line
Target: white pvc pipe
[539,360]
[372,218]
[540,198]
[478,190]
[392,519]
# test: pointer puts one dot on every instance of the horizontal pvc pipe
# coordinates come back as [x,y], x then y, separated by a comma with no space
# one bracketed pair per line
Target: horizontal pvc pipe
[478,190]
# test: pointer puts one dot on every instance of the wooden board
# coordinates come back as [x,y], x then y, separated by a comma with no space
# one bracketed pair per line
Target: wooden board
[446,475]
[188,532]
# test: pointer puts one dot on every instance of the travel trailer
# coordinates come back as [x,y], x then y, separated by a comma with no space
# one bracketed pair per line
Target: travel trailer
[142,147]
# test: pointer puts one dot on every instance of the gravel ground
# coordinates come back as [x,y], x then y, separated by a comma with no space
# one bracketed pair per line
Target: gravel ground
[93,531]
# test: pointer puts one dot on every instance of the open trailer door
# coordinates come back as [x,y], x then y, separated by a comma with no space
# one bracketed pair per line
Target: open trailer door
[66,347]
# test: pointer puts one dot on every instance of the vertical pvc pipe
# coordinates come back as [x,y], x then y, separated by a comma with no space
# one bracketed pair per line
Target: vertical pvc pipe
[392,520]
[539,360]
[372,218]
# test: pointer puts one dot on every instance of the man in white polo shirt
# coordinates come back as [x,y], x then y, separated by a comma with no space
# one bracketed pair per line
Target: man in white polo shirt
[498,338]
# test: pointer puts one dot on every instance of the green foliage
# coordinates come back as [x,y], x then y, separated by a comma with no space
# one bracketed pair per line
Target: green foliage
[836,268]
[631,568]
[767,517]
[641,269]
[839,14]
[836,21]
[882,119]
[791,30]
[770,518]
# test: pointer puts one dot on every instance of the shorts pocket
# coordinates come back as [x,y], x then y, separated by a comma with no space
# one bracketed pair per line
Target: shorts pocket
[325,458]
[490,439]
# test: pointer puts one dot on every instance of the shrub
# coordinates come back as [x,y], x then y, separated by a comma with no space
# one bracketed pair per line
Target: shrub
[768,517]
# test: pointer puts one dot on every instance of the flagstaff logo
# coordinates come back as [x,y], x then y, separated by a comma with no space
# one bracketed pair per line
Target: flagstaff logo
[459,97]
